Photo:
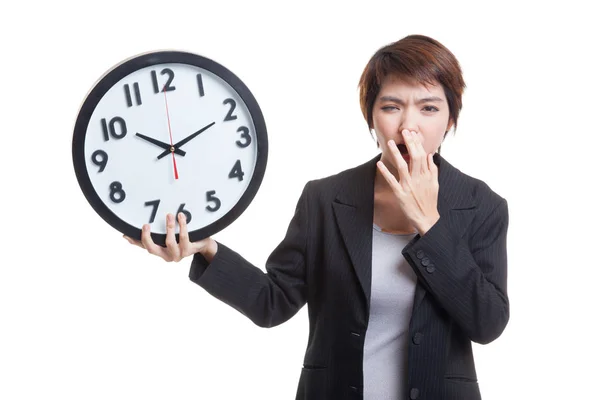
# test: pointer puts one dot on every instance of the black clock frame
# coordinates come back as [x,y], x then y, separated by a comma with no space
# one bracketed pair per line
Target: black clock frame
[143,61]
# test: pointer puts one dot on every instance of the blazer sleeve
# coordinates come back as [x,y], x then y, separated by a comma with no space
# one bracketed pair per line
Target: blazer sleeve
[270,298]
[469,282]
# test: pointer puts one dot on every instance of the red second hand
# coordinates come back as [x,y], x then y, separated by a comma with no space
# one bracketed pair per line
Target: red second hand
[170,134]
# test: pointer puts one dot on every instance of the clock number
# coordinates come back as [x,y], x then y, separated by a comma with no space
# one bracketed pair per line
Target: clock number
[102,161]
[230,116]
[236,171]
[138,96]
[245,135]
[200,84]
[188,215]
[210,197]
[117,194]
[171,74]
[110,127]
[154,81]
[154,204]
[167,87]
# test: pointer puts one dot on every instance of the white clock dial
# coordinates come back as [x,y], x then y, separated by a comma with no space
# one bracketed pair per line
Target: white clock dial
[170,137]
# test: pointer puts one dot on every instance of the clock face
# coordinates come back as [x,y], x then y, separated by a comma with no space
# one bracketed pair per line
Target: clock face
[170,132]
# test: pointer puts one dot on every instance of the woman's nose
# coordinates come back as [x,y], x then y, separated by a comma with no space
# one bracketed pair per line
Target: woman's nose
[409,121]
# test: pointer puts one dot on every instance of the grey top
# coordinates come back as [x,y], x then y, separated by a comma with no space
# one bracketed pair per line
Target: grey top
[386,341]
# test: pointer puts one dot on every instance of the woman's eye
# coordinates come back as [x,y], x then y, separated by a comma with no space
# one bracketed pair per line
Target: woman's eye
[388,108]
[431,108]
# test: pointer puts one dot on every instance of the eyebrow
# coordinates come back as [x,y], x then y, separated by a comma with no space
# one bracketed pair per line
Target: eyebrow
[420,101]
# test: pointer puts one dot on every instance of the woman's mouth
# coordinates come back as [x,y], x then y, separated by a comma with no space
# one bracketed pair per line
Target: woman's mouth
[404,152]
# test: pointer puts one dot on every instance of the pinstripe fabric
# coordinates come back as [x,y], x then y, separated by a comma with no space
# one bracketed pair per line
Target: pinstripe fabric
[324,261]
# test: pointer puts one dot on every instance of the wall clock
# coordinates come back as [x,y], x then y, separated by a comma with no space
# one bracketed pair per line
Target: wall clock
[168,132]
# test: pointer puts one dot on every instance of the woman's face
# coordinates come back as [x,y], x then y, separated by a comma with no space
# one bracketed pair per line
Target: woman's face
[401,105]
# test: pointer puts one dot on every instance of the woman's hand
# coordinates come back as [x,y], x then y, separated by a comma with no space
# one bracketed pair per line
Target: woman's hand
[175,251]
[416,190]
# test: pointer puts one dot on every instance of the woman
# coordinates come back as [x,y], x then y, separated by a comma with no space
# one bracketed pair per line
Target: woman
[401,260]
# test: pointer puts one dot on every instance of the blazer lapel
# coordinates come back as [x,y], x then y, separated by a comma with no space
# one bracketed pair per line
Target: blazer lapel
[353,210]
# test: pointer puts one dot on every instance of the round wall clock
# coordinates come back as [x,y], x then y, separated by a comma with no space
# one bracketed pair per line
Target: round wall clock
[169,132]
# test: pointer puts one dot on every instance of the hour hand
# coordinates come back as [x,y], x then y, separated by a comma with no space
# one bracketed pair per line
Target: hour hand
[162,145]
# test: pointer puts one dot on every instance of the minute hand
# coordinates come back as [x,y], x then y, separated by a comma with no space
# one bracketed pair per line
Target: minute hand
[184,141]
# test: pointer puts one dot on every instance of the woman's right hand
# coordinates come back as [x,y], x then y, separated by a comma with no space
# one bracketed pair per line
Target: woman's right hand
[174,251]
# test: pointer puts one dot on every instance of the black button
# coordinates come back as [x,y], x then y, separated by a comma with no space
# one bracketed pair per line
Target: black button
[417,337]
[420,254]
[414,393]
[430,269]
[425,261]
[355,334]
[354,388]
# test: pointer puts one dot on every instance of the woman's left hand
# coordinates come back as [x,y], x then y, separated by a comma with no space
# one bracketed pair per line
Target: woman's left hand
[417,188]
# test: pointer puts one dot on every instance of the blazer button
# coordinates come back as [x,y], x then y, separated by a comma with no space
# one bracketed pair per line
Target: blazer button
[355,334]
[431,269]
[425,261]
[354,389]
[417,337]
[420,254]
[414,393]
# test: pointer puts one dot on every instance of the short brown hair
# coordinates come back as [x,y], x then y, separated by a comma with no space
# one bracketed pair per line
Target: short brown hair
[415,57]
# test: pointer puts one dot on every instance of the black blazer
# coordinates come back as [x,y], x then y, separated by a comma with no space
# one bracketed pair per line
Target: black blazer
[325,261]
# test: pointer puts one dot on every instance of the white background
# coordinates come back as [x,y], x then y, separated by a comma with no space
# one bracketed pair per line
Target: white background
[85,315]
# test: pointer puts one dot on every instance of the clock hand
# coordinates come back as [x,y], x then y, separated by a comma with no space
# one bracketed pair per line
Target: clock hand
[193,135]
[172,149]
[187,139]
[160,144]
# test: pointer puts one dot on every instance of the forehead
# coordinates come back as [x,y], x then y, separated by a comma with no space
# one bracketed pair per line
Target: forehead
[399,86]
